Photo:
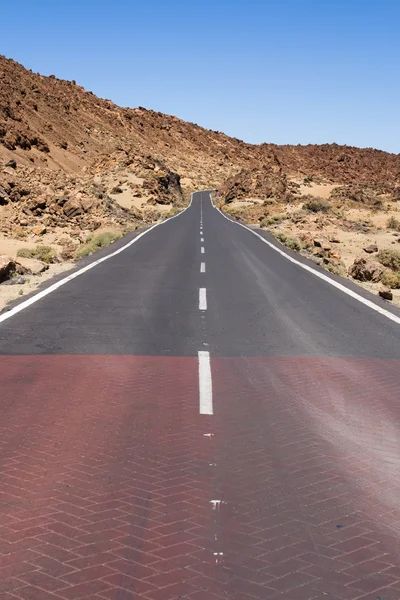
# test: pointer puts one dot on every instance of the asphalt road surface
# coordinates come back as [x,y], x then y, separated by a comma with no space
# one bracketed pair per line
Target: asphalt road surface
[199,417]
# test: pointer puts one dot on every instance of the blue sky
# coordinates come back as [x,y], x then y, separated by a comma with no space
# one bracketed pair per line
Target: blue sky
[283,71]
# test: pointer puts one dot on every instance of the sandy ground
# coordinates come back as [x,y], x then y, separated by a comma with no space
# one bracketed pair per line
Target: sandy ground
[10,246]
[247,202]
[318,190]
[132,195]
[32,282]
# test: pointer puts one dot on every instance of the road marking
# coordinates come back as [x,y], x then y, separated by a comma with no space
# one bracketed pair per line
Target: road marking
[205,384]
[379,309]
[202,299]
[202,267]
[202,239]
[55,286]
[202,250]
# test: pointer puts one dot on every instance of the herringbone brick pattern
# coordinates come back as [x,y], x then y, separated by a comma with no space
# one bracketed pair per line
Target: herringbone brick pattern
[113,487]
[103,480]
[307,472]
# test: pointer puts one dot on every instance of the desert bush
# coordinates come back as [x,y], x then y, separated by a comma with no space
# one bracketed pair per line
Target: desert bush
[390,258]
[172,212]
[272,220]
[94,243]
[46,254]
[290,242]
[335,268]
[235,212]
[391,279]
[393,223]
[298,216]
[317,205]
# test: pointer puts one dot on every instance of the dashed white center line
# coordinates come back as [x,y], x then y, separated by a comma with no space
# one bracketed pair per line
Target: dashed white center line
[205,384]
[202,239]
[202,250]
[202,267]
[202,299]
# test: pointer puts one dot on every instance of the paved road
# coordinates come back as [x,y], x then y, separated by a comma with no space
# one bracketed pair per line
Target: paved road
[200,424]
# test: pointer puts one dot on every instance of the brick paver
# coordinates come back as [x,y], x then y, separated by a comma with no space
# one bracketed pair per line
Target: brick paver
[306,465]
[113,487]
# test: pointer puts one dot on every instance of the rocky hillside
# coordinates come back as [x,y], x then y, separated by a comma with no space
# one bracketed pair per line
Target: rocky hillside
[342,165]
[64,139]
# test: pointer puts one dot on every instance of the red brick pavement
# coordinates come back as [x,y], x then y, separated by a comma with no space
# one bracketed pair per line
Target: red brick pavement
[308,465]
[113,487]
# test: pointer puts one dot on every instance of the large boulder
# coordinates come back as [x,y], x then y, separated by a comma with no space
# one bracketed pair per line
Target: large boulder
[4,197]
[365,269]
[371,249]
[87,204]
[386,293]
[30,266]
[7,267]
[72,208]
[39,230]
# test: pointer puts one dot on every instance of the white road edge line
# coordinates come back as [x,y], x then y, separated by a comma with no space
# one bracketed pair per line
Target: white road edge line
[205,384]
[203,268]
[202,299]
[332,282]
[62,282]
[202,250]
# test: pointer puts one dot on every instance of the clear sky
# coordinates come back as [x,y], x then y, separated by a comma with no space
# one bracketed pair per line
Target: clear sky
[283,71]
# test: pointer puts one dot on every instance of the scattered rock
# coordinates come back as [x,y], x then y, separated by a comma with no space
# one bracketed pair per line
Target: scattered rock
[36,205]
[12,164]
[335,255]
[72,208]
[87,204]
[39,230]
[334,240]
[4,197]
[322,244]
[30,266]
[371,249]
[7,266]
[68,252]
[364,269]
[8,171]
[14,281]
[386,293]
